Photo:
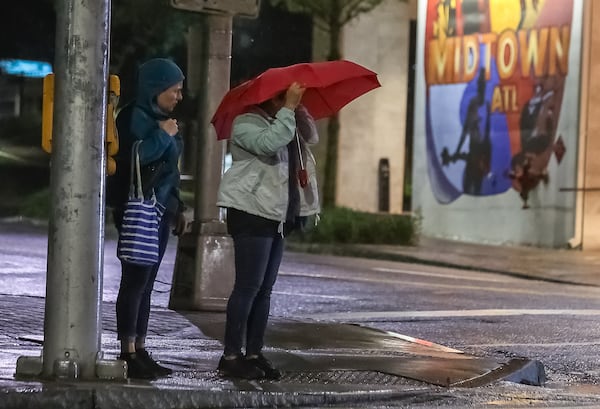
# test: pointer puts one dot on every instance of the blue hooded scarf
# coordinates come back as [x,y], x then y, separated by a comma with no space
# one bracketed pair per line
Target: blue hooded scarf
[140,120]
[154,77]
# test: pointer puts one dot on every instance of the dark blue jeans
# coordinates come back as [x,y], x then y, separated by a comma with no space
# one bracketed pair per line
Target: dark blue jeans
[257,260]
[137,282]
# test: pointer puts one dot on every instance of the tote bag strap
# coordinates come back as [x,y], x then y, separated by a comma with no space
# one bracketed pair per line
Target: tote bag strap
[135,166]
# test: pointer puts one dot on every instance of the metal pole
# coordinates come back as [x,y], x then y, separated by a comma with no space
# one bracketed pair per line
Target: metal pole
[211,152]
[204,269]
[72,323]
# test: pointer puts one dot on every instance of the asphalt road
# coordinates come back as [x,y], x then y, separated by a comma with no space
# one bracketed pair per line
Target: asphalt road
[484,314]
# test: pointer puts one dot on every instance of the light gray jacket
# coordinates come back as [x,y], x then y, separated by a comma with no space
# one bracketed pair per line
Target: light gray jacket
[257,181]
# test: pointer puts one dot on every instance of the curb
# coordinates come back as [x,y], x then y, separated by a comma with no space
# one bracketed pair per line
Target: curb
[358,251]
[517,370]
[152,398]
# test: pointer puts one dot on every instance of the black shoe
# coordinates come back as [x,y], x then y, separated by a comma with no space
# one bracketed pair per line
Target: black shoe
[239,368]
[159,370]
[136,367]
[262,363]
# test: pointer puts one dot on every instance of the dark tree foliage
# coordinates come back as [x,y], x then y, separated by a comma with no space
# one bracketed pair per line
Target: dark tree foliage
[275,38]
[143,29]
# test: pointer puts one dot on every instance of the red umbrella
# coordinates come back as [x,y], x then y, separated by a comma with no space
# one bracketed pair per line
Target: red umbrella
[329,86]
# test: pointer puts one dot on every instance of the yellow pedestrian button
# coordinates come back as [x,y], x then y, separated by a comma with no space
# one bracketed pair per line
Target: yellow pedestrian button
[112,137]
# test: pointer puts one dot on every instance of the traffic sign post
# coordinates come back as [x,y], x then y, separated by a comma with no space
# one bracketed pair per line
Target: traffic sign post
[204,266]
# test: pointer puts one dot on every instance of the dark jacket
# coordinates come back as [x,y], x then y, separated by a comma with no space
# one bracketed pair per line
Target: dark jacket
[159,152]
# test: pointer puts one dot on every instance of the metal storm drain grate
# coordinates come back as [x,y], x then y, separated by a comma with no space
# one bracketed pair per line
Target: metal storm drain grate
[347,378]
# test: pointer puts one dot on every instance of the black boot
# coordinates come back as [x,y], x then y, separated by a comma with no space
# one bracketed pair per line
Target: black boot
[239,368]
[158,369]
[137,367]
[264,365]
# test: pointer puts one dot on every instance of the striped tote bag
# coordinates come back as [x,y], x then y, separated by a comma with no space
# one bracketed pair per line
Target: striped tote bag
[138,237]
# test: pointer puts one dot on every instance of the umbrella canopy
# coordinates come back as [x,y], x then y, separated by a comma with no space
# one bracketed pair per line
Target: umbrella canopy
[329,86]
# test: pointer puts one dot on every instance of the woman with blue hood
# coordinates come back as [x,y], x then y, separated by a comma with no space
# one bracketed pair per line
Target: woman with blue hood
[147,119]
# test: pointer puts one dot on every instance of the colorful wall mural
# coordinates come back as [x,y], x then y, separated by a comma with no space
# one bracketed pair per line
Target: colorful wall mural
[495,76]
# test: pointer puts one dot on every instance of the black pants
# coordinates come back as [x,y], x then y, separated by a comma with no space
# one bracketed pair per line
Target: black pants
[258,251]
[137,282]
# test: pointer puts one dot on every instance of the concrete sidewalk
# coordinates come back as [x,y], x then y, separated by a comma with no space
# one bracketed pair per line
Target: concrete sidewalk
[358,369]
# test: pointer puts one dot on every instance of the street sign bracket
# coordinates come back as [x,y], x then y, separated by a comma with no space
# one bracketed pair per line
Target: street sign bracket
[242,8]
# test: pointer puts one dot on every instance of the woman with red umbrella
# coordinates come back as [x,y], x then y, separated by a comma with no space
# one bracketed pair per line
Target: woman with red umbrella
[262,196]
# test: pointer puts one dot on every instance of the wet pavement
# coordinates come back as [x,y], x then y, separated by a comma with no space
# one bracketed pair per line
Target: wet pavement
[358,364]
[563,265]
[324,363]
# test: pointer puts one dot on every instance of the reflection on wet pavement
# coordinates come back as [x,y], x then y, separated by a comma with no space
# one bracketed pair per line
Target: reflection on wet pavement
[301,346]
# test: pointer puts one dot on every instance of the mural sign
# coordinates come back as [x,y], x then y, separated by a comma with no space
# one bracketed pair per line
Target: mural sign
[495,73]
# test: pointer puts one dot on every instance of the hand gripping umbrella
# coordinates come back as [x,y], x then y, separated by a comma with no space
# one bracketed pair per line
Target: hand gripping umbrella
[329,86]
